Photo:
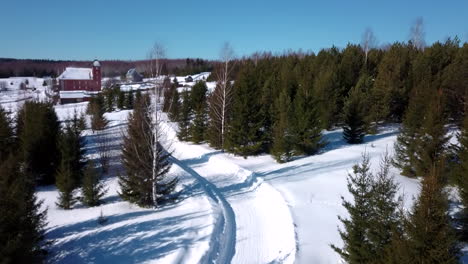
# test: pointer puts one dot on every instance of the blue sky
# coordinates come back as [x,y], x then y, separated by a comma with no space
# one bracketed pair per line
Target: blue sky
[88,29]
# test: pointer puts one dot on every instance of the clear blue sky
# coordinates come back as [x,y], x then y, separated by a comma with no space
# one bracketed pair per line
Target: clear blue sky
[104,29]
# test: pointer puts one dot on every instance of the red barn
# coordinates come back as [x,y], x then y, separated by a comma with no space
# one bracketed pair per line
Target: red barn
[79,84]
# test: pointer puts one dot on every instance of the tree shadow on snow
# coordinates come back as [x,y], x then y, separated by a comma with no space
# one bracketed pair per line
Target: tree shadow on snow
[124,238]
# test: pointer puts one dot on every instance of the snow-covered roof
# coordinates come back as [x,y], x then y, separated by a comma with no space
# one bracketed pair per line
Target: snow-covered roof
[71,73]
[73,94]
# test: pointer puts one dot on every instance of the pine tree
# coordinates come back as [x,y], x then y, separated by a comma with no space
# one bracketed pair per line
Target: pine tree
[283,144]
[22,222]
[120,99]
[92,188]
[307,128]
[137,158]
[38,129]
[354,128]
[198,100]
[357,247]
[129,100]
[7,139]
[185,117]
[109,99]
[244,135]
[97,110]
[174,108]
[430,235]
[66,184]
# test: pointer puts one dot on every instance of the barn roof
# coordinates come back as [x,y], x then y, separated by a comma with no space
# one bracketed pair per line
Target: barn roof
[71,73]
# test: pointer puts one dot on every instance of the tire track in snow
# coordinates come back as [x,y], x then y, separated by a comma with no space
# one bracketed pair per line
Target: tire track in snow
[222,248]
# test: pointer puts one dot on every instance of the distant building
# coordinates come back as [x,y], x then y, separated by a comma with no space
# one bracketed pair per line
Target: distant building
[79,84]
[134,76]
[188,79]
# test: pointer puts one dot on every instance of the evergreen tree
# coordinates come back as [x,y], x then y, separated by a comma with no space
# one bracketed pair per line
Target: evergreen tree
[38,129]
[129,100]
[109,99]
[185,117]
[66,184]
[22,222]
[244,129]
[7,137]
[137,158]
[97,110]
[307,128]
[357,248]
[283,144]
[430,236]
[120,99]
[354,128]
[174,108]
[92,188]
[199,124]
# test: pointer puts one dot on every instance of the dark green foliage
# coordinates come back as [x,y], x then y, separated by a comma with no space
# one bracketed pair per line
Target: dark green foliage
[109,96]
[38,130]
[430,236]
[96,109]
[66,184]
[374,218]
[92,188]
[307,128]
[355,127]
[357,247]
[137,158]
[244,135]
[174,107]
[198,100]
[129,98]
[185,117]
[7,137]
[22,222]
[120,99]
[283,143]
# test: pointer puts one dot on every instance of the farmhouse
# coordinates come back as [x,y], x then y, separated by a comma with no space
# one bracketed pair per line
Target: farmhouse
[79,84]
[134,76]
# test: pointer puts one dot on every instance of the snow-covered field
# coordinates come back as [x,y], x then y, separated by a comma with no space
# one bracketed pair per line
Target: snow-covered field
[230,209]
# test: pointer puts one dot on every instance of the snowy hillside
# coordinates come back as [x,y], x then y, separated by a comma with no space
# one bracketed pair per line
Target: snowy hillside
[230,209]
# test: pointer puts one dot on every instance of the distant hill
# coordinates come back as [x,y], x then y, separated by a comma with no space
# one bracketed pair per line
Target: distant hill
[10,67]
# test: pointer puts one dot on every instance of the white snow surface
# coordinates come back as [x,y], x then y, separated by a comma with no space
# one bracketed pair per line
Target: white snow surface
[230,209]
[72,73]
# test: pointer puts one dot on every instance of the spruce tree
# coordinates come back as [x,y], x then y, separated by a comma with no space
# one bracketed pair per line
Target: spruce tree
[244,135]
[430,236]
[357,248]
[97,109]
[7,138]
[38,129]
[199,104]
[92,188]
[120,99]
[137,158]
[185,117]
[129,100]
[174,108]
[307,128]
[22,221]
[354,128]
[66,184]
[283,144]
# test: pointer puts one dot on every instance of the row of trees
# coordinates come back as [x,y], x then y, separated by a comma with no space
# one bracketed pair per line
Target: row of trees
[280,105]
[379,230]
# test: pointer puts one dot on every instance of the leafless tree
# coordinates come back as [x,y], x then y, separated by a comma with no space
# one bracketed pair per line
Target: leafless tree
[221,98]
[417,34]
[368,42]
[155,56]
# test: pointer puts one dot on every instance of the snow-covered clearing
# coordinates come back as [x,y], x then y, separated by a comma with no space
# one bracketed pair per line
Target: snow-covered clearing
[230,209]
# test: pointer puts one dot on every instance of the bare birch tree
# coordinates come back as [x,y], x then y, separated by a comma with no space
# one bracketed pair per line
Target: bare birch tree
[103,149]
[368,42]
[417,34]
[221,98]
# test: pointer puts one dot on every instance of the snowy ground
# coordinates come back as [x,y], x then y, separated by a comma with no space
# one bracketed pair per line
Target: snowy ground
[230,209]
